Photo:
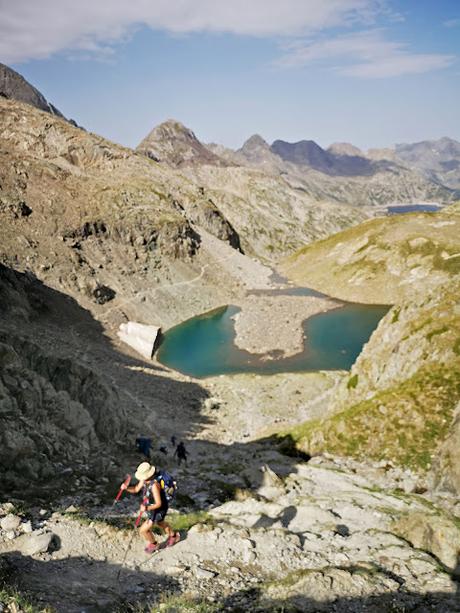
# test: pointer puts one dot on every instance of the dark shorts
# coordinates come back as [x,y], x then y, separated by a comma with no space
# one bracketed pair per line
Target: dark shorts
[158,514]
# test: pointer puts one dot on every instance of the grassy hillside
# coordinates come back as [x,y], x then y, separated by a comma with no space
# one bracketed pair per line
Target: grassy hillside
[384,259]
[399,401]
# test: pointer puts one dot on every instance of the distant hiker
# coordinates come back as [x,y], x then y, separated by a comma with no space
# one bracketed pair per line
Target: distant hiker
[164,449]
[143,444]
[173,440]
[154,503]
[181,453]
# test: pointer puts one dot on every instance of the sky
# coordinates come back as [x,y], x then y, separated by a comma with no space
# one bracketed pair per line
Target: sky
[370,72]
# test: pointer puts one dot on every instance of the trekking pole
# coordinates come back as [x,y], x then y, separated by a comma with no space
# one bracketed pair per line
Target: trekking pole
[125,484]
[122,488]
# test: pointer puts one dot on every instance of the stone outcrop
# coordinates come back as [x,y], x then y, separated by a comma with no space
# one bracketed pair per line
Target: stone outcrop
[295,536]
[437,535]
[57,415]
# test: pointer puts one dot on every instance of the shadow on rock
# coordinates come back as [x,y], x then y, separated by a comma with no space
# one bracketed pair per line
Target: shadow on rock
[80,584]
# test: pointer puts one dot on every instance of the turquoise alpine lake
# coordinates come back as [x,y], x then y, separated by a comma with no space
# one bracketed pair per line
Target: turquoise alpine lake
[204,346]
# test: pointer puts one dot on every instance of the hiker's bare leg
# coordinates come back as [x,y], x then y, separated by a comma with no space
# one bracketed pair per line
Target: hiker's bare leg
[146,531]
[166,527]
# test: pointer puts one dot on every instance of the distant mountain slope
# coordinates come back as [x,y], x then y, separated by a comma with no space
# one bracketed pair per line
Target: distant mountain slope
[341,173]
[271,216]
[438,159]
[308,153]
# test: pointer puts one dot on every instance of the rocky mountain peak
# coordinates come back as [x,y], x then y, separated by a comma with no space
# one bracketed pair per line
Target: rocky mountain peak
[256,150]
[344,149]
[13,86]
[176,145]
[255,141]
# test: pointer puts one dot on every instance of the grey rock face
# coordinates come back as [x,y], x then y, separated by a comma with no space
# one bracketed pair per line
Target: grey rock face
[437,159]
[13,85]
[432,533]
[54,411]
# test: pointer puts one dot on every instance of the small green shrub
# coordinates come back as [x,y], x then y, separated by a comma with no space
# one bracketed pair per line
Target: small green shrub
[352,382]
[396,312]
[430,335]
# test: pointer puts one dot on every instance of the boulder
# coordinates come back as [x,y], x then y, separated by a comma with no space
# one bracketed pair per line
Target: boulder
[433,533]
[10,522]
[33,543]
[204,574]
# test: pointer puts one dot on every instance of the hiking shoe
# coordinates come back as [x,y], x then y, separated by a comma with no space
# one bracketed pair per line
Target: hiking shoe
[151,548]
[172,540]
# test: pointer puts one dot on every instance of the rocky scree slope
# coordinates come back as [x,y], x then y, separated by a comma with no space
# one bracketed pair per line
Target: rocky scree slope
[93,221]
[401,399]
[58,417]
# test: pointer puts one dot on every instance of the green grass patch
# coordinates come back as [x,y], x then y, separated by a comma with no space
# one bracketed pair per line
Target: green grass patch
[456,346]
[418,416]
[13,600]
[184,521]
[223,491]
[184,602]
[435,332]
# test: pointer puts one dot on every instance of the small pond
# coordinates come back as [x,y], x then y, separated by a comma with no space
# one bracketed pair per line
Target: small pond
[204,346]
[398,209]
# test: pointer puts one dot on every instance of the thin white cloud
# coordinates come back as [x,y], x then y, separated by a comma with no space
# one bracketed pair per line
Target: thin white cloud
[452,23]
[364,54]
[37,29]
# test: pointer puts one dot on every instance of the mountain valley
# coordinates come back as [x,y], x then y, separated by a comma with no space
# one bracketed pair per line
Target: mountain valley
[307,491]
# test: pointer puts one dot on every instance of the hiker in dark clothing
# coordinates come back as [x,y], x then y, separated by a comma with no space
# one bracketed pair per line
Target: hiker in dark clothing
[181,453]
[143,445]
[154,504]
[173,440]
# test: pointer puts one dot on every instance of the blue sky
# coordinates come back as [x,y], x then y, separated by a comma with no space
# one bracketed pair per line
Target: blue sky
[370,72]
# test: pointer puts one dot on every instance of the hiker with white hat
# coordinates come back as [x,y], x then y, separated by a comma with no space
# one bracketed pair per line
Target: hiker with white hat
[154,503]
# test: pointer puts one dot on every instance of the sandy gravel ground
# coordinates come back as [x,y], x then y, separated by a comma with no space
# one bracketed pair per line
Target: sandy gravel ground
[274,323]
